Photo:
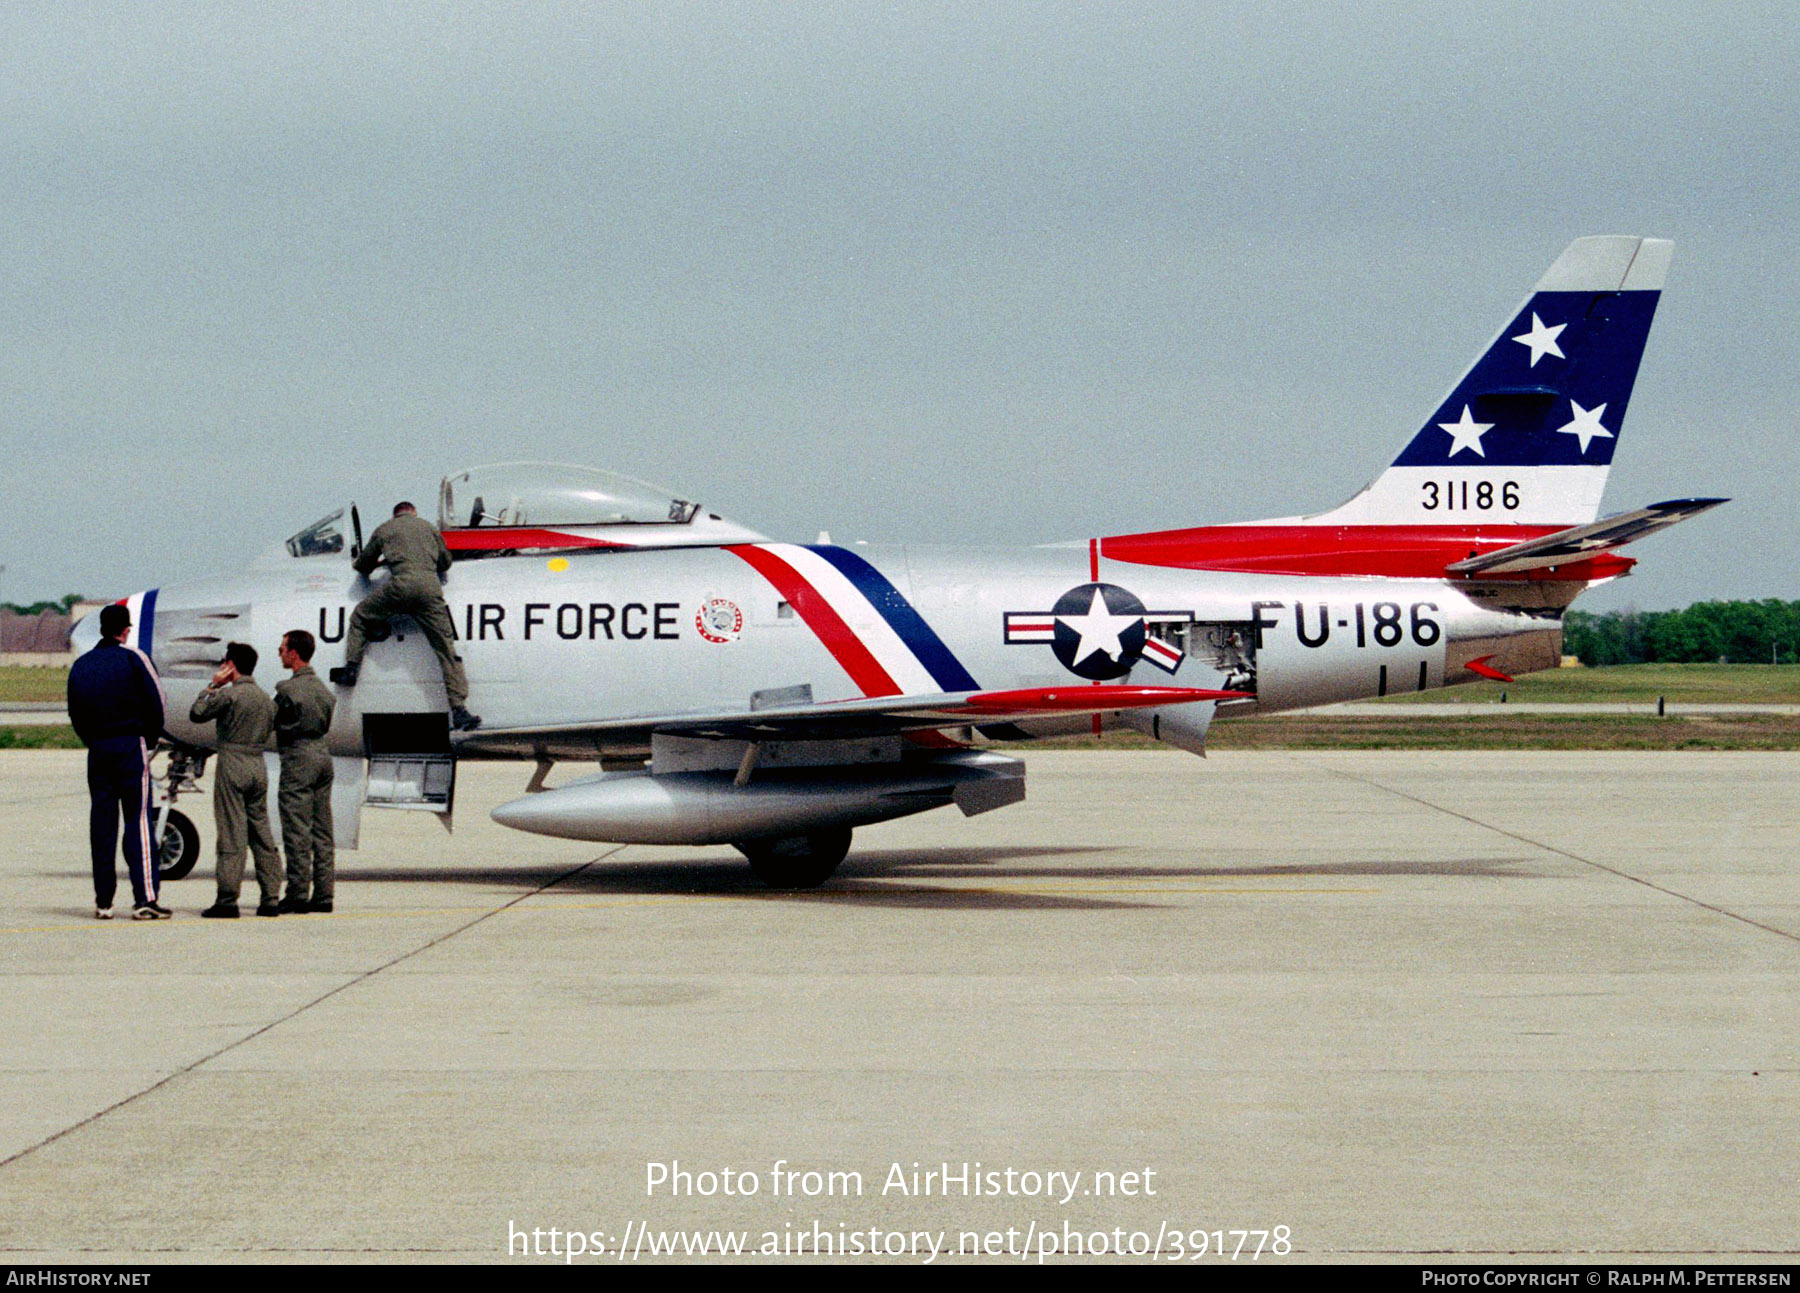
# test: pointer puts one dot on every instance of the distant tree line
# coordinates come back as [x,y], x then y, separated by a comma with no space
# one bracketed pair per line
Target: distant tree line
[1734,632]
[60,604]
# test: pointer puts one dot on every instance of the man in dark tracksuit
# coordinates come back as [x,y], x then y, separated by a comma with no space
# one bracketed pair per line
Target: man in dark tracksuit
[417,561]
[303,709]
[244,719]
[116,707]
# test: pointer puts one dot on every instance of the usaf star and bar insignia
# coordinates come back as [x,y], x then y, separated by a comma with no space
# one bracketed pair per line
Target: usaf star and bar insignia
[1099,631]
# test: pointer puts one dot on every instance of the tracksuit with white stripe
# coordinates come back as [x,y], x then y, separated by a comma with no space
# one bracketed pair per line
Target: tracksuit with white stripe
[116,707]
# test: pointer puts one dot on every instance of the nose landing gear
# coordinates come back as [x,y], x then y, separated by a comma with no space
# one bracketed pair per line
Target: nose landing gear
[177,838]
[179,846]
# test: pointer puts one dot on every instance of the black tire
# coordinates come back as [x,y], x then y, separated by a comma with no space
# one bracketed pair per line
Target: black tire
[180,844]
[796,861]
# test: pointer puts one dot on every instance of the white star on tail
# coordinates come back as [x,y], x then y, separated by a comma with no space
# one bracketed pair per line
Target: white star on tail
[1586,424]
[1542,340]
[1465,433]
[1099,630]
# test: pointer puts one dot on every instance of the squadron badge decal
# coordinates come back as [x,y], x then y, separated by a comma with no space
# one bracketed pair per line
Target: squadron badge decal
[719,620]
[1099,631]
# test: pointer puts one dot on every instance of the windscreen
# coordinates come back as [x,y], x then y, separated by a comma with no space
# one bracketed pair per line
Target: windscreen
[319,539]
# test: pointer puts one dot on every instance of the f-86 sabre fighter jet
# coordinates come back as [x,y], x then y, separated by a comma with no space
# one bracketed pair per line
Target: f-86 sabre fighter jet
[775,696]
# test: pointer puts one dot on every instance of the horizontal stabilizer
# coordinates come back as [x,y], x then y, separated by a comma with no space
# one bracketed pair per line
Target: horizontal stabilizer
[1584,540]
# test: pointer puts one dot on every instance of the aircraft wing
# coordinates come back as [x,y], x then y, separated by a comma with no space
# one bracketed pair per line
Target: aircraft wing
[1585,540]
[832,720]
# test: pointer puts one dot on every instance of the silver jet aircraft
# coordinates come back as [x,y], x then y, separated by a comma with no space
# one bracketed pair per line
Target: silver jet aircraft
[775,696]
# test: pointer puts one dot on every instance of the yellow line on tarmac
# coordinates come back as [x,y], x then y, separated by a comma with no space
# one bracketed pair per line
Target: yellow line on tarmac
[1161,888]
[189,919]
[876,890]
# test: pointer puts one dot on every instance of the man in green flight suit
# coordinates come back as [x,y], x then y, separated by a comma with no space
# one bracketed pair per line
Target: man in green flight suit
[416,560]
[244,717]
[303,709]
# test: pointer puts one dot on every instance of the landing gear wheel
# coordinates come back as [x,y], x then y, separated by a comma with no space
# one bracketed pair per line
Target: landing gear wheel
[180,844]
[796,861]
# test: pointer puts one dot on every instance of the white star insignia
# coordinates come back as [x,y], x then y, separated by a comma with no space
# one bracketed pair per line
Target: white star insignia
[1465,433]
[1586,424]
[1099,630]
[1542,340]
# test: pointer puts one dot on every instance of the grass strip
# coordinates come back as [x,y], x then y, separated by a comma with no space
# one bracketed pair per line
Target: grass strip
[45,736]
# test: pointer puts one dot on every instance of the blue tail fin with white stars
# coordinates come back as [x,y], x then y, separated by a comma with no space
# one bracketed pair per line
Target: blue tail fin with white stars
[1526,437]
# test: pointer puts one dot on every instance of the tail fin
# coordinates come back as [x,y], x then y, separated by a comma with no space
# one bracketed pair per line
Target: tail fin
[1527,435]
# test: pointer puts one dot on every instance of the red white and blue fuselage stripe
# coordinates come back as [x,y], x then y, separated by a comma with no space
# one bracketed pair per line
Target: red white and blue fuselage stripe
[142,607]
[871,630]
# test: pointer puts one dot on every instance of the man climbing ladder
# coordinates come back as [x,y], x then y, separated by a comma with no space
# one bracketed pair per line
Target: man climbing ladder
[417,560]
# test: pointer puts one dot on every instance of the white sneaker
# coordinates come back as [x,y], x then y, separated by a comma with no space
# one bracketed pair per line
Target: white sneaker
[103,913]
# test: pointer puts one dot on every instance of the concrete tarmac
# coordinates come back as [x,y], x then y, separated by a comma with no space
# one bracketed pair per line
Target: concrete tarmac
[1416,1006]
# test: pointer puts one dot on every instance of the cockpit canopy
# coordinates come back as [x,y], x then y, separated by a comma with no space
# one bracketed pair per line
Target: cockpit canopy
[540,494]
[510,508]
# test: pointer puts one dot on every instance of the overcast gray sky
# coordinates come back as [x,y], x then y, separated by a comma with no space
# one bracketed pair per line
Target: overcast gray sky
[921,272]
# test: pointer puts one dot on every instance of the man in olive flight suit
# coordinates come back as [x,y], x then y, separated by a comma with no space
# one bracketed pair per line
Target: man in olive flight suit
[303,708]
[244,717]
[416,560]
